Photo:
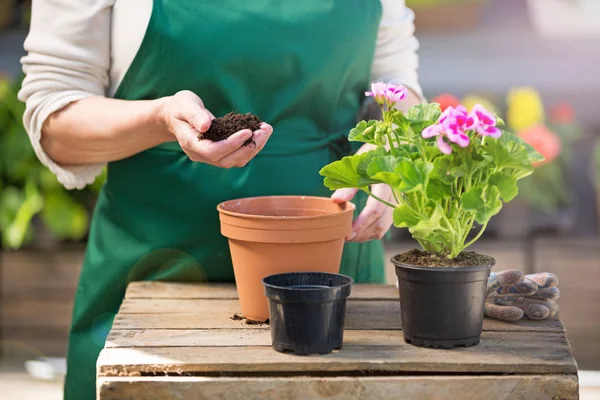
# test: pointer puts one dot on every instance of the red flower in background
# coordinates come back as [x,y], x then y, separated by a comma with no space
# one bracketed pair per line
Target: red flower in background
[446,100]
[544,141]
[562,113]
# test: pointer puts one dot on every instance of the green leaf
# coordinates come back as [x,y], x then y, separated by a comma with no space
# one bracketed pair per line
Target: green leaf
[414,175]
[441,169]
[426,227]
[65,218]
[364,132]
[383,169]
[437,190]
[532,154]
[510,151]
[484,206]
[16,232]
[506,184]
[405,217]
[418,224]
[344,173]
[366,159]
[423,115]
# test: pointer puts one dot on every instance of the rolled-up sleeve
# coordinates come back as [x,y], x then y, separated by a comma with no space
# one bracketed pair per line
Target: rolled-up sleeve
[68,59]
[396,59]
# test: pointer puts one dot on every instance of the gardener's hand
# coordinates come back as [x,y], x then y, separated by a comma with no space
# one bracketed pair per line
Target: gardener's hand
[375,219]
[186,117]
[512,295]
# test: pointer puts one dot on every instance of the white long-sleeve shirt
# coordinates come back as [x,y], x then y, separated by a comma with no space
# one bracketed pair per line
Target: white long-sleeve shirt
[82,48]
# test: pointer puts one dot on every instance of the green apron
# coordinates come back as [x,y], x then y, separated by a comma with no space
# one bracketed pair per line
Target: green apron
[302,66]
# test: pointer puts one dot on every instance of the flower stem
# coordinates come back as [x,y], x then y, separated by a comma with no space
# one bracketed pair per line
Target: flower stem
[476,237]
[379,199]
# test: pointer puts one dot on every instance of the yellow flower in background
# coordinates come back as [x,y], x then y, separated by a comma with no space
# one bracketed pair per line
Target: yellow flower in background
[470,100]
[525,108]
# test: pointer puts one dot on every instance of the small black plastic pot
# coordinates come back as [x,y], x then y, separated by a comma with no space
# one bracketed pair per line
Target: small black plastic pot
[307,311]
[442,307]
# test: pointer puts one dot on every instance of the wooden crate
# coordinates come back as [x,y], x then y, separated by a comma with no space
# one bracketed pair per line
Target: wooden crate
[37,289]
[178,341]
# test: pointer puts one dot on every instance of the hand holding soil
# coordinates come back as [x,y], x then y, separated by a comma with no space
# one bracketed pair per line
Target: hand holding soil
[232,142]
[513,295]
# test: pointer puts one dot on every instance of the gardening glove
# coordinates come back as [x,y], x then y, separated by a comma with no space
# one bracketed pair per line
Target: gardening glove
[512,295]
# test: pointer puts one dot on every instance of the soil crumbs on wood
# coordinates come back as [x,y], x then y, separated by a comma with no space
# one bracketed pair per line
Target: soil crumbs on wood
[222,128]
[422,258]
[237,317]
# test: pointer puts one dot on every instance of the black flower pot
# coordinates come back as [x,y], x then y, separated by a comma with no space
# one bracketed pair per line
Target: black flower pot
[307,311]
[442,307]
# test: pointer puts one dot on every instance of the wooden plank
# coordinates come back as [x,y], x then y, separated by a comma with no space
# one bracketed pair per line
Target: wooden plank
[49,275]
[499,352]
[530,387]
[199,291]
[206,314]
[36,313]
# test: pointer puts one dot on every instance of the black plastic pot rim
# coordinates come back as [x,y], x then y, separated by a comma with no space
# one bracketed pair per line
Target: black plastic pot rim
[308,290]
[441,269]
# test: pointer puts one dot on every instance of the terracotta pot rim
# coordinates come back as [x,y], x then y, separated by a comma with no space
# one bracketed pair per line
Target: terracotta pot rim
[350,209]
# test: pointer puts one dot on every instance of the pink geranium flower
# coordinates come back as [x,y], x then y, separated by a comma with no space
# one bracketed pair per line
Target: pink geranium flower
[382,91]
[453,124]
[485,122]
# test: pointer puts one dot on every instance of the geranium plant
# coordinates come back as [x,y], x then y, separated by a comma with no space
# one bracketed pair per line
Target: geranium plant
[447,170]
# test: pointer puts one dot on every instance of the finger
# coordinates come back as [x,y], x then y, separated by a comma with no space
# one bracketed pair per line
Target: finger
[551,293]
[544,279]
[242,156]
[504,278]
[377,229]
[526,288]
[268,129]
[535,311]
[215,151]
[504,313]
[372,212]
[343,195]
[193,112]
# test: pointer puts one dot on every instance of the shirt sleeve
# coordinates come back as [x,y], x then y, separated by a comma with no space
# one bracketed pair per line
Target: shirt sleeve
[68,59]
[396,60]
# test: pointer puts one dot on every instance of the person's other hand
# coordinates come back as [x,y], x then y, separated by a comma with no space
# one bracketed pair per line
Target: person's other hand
[511,295]
[186,118]
[375,219]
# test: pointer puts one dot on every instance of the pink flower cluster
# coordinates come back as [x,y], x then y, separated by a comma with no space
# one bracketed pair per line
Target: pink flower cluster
[382,91]
[455,122]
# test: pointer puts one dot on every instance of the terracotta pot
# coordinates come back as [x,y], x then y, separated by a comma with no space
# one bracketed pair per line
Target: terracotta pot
[276,234]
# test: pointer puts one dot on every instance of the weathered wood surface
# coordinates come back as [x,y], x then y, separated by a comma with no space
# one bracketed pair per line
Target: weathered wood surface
[204,314]
[186,331]
[193,291]
[226,351]
[517,387]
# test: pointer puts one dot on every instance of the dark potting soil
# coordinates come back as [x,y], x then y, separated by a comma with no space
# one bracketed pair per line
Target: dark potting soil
[222,128]
[423,258]
[237,317]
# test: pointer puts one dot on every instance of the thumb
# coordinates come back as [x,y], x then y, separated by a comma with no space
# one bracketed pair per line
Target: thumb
[343,195]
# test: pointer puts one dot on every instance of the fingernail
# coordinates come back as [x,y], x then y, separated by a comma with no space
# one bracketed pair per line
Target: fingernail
[352,236]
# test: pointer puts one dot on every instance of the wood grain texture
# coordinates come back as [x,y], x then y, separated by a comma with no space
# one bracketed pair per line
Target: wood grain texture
[51,275]
[163,290]
[518,387]
[499,352]
[206,314]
